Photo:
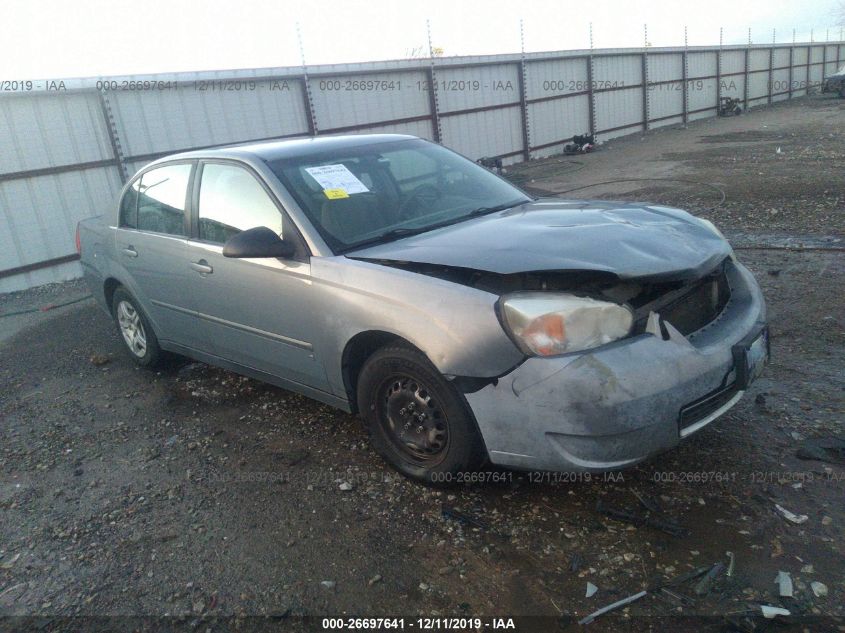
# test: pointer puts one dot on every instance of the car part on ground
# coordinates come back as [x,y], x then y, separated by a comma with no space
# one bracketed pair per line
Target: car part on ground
[835,83]
[730,106]
[581,144]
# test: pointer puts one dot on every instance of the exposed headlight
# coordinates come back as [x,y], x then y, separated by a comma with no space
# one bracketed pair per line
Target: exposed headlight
[547,323]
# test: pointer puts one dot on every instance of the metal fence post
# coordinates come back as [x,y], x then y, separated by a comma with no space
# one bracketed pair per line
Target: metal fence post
[824,58]
[308,102]
[809,55]
[771,67]
[685,75]
[526,130]
[644,71]
[433,104]
[307,97]
[114,138]
[719,72]
[791,64]
[591,100]
[745,81]
[838,47]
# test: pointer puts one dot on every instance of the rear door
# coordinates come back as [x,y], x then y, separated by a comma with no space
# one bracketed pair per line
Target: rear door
[151,246]
[256,312]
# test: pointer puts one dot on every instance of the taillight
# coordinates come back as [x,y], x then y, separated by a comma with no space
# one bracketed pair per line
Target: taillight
[78,242]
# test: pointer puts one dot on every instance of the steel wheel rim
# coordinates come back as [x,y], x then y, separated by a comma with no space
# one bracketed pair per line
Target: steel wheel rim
[132,328]
[413,420]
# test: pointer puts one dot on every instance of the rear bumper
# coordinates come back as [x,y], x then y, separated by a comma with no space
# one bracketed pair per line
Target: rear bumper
[622,403]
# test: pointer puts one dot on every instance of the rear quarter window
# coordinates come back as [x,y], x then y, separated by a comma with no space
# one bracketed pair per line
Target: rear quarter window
[157,200]
[129,206]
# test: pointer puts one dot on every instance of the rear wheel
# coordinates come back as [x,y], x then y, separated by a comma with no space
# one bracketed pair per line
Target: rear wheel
[135,330]
[417,421]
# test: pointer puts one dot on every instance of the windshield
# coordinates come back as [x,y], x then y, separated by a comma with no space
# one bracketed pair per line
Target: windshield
[380,192]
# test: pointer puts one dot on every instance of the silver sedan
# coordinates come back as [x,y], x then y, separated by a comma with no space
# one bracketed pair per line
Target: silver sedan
[466,322]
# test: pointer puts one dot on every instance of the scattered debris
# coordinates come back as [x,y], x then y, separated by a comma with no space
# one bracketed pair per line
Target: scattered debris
[819,589]
[591,590]
[328,584]
[611,607]
[638,519]
[575,562]
[99,360]
[345,486]
[374,580]
[461,517]
[687,576]
[826,449]
[731,564]
[7,564]
[703,586]
[648,503]
[790,516]
[677,598]
[784,583]
[770,612]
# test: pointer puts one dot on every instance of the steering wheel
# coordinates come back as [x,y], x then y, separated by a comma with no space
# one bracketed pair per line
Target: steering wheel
[422,194]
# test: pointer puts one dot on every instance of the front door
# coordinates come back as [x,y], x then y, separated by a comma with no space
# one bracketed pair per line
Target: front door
[255,312]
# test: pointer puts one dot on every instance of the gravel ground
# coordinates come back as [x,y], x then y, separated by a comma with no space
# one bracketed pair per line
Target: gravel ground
[193,492]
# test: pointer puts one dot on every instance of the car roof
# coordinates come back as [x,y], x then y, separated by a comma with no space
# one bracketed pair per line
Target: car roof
[290,148]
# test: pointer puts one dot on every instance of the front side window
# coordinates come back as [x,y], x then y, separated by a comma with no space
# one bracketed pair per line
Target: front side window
[381,191]
[231,201]
[156,201]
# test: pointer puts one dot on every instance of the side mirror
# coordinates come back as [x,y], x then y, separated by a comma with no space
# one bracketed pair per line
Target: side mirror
[258,242]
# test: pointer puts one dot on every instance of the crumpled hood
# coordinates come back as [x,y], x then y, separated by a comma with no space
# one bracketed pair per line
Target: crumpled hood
[627,239]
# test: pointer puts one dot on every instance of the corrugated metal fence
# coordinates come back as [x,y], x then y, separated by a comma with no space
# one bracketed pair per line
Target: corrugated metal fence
[66,148]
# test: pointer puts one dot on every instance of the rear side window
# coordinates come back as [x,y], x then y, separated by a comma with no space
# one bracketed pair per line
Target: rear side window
[159,200]
[231,201]
[129,206]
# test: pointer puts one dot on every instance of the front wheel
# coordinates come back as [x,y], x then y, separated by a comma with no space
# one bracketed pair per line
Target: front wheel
[418,422]
[135,329]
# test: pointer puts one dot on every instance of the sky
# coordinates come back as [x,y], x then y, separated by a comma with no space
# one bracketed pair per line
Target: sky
[53,39]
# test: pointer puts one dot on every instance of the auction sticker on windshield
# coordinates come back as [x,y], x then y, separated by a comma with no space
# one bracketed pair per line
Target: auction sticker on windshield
[336,180]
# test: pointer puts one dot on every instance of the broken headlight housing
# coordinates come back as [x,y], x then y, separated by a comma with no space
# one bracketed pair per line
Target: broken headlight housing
[547,323]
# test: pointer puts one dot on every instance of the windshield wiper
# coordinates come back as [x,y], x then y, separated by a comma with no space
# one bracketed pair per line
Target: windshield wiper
[388,236]
[405,231]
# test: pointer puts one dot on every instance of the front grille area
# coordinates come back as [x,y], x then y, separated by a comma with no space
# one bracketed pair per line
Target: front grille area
[687,306]
[702,304]
[701,408]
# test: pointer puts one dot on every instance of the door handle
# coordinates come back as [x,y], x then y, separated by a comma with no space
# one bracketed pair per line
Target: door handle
[130,251]
[202,267]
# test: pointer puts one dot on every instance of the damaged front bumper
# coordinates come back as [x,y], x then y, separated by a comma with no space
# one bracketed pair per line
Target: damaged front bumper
[617,405]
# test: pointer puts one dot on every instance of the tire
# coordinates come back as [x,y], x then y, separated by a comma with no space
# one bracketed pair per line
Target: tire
[135,330]
[397,384]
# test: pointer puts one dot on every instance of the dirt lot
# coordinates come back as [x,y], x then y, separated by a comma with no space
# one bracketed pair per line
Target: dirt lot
[194,492]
